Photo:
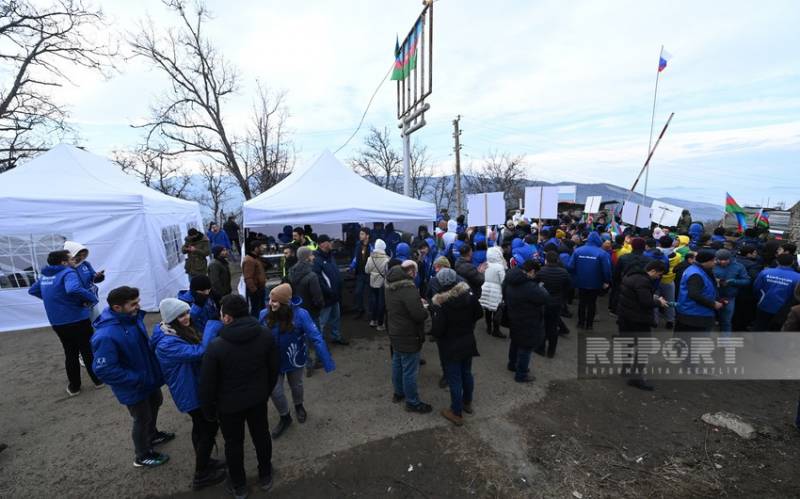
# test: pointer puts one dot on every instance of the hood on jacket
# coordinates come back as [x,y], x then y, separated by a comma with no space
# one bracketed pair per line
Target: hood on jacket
[196,239]
[185,295]
[299,270]
[695,230]
[683,241]
[517,276]
[241,330]
[396,276]
[494,255]
[74,248]
[458,290]
[52,270]
[431,242]
[594,239]
[110,318]
[452,225]
[403,251]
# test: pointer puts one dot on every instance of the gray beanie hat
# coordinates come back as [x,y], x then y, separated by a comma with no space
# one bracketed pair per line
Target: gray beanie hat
[303,253]
[447,277]
[171,309]
[723,254]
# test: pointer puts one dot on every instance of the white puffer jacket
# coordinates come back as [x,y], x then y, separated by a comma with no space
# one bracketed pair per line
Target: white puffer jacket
[376,267]
[492,289]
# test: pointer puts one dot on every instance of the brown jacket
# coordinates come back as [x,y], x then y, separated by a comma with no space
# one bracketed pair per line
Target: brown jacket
[406,314]
[255,277]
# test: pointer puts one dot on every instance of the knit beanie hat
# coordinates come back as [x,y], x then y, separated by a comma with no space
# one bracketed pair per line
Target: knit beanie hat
[281,293]
[303,253]
[171,309]
[723,254]
[380,245]
[705,256]
[447,277]
[199,283]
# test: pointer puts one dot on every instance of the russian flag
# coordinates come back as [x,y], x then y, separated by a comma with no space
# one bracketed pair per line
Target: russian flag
[662,60]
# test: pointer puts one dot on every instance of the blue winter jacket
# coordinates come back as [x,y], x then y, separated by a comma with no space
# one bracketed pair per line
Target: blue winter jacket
[736,276]
[65,298]
[695,231]
[292,345]
[657,254]
[86,273]
[590,264]
[478,257]
[200,314]
[526,252]
[402,252]
[325,263]
[354,261]
[180,363]
[123,358]
[219,239]
[775,287]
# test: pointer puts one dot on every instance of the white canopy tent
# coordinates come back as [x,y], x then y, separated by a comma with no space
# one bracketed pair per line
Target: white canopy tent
[132,232]
[327,194]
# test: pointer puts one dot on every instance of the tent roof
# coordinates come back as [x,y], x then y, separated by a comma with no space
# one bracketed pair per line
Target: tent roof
[328,192]
[66,173]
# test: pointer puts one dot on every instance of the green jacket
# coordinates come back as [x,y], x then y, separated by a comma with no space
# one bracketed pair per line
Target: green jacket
[197,260]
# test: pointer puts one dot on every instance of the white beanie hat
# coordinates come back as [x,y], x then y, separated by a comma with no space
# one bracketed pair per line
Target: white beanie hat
[172,308]
[380,245]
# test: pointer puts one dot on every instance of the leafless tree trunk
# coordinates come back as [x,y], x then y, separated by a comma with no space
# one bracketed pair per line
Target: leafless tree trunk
[443,193]
[191,118]
[498,172]
[156,170]
[217,186]
[421,171]
[38,46]
[269,154]
[378,162]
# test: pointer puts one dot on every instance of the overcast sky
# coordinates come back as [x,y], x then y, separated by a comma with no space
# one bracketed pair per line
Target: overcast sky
[567,84]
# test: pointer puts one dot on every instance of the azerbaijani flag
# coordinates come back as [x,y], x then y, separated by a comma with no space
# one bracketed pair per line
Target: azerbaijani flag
[405,58]
[761,219]
[662,60]
[732,207]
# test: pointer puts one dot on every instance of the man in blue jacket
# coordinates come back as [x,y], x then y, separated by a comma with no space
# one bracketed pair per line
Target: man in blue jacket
[331,283]
[124,360]
[591,266]
[697,296]
[68,304]
[218,237]
[731,276]
[198,296]
[774,289]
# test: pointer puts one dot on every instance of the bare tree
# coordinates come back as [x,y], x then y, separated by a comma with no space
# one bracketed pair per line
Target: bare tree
[498,172]
[38,46]
[190,118]
[269,153]
[156,170]
[444,193]
[378,162]
[421,170]
[217,186]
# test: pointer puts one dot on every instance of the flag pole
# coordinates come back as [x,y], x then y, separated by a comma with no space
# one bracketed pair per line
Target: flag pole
[652,122]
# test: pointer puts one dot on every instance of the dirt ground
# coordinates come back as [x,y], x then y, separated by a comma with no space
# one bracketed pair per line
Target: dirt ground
[557,437]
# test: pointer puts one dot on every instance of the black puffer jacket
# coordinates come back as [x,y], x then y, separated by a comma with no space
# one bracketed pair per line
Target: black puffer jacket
[525,300]
[240,368]
[636,260]
[305,284]
[406,314]
[469,273]
[556,281]
[455,312]
[636,302]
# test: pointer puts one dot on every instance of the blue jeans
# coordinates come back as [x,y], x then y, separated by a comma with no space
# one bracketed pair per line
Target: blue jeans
[331,316]
[362,286]
[377,305]
[459,378]
[405,367]
[725,316]
[519,358]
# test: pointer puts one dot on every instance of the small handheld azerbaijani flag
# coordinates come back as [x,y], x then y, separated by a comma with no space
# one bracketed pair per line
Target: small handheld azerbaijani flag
[662,60]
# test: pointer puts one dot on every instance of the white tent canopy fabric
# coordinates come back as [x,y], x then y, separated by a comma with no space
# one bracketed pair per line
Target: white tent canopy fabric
[132,232]
[326,194]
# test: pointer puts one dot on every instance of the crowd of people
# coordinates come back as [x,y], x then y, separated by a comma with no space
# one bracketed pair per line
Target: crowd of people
[223,355]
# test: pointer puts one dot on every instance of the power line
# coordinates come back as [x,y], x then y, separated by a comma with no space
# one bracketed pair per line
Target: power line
[361,122]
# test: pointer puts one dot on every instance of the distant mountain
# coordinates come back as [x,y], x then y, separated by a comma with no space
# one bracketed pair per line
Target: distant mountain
[700,211]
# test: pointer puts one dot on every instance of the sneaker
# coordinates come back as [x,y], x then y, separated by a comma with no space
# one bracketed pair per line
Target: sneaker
[162,437]
[239,492]
[467,407]
[454,418]
[301,413]
[526,379]
[73,394]
[209,478]
[421,408]
[265,482]
[373,323]
[396,399]
[151,460]
[282,426]
[380,327]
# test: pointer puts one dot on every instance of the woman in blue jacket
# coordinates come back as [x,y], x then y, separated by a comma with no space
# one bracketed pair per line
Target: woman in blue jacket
[289,324]
[179,348]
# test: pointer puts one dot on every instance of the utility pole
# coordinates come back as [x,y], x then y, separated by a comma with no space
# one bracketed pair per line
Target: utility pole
[457,150]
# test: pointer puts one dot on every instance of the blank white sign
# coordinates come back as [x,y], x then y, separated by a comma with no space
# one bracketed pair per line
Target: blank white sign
[666,214]
[636,215]
[485,209]
[541,202]
[593,204]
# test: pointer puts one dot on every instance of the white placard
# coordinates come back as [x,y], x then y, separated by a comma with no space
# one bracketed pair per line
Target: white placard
[541,203]
[491,205]
[593,204]
[666,214]
[636,215]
